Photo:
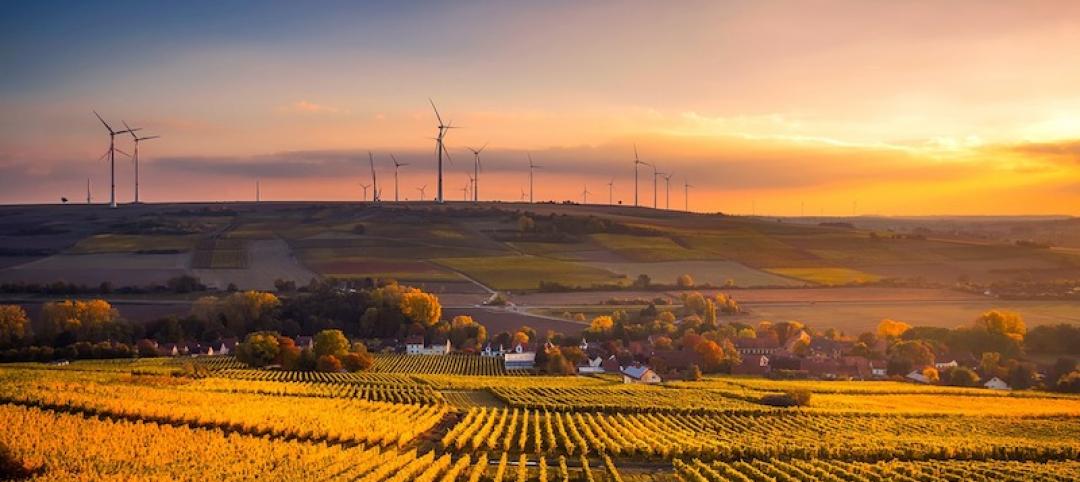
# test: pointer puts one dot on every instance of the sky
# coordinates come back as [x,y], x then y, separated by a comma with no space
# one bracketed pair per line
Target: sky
[771,108]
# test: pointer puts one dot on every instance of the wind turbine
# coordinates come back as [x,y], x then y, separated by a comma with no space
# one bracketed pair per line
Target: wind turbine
[112,158]
[637,162]
[88,190]
[422,190]
[531,167]
[476,171]
[135,158]
[523,194]
[655,174]
[667,190]
[686,195]
[374,181]
[585,195]
[396,166]
[611,191]
[365,186]
[258,192]
[465,190]
[440,148]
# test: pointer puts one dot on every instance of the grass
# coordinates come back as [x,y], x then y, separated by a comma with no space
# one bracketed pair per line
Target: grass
[649,248]
[827,276]
[713,272]
[131,243]
[526,272]
[381,268]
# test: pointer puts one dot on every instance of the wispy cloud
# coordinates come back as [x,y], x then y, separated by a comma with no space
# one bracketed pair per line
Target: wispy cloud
[306,107]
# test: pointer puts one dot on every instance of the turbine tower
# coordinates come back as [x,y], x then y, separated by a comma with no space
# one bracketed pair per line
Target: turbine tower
[440,148]
[135,158]
[476,171]
[585,195]
[465,190]
[655,175]
[422,189]
[258,192]
[396,166]
[365,186]
[374,181]
[112,158]
[686,195]
[88,190]
[667,190]
[611,191]
[522,194]
[637,162]
[531,167]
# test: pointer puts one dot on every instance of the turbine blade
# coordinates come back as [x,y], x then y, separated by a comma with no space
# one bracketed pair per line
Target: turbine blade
[103,122]
[122,152]
[436,109]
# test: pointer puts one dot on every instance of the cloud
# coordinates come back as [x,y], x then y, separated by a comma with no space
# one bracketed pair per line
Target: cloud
[1067,151]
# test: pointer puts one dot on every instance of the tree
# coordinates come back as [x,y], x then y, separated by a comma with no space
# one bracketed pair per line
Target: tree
[146,348]
[747,332]
[1022,375]
[13,325]
[288,354]
[990,365]
[1069,383]
[643,281]
[694,303]
[710,312]
[423,308]
[694,374]
[716,357]
[931,374]
[962,377]
[601,324]
[467,333]
[358,359]
[684,281]
[891,329]
[907,355]
[330,342]
[328,363]
[239,311]
[258,349]
[520,337]
[1002,322]
[727,304]
[83,320]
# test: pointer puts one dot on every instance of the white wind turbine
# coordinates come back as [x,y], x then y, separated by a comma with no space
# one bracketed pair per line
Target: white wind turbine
[396,166]
[611,191]
[637,162]
[531,167]
[135,158]
[112,157]
[440,148]
[476,171]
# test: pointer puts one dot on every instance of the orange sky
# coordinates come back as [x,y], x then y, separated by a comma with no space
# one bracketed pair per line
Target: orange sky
[780,108]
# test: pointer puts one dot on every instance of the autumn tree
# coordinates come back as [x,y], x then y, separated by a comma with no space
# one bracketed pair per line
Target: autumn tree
[258,349]
[14,325]
[84,320]
[358,359]
[331,342]
[1002,322]
[727,305]
[421,307]
[684,281]
[694,304]
[328,363]
[239,311]
[717,357]
[467,333]
[601,324]
[891,329]
[907,355]
[961,377]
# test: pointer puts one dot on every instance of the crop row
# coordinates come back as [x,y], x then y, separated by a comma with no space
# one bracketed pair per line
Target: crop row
[453,364]
[835,470]
[728,436]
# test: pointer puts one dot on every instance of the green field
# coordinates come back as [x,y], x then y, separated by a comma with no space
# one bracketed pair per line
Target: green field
[716,273]
[826,276]
[526,272]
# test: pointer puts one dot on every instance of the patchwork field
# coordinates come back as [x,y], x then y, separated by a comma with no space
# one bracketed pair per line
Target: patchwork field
[716,273]
[526,272]
[119,269]
[826,276]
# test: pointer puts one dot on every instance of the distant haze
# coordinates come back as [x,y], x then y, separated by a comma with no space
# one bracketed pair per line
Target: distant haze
[831,108]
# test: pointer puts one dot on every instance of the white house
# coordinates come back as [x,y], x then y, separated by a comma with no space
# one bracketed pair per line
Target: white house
[878,369]
[942,366]
[592,366]
[640,374]
[519,358]
[414,345]
[997,384]
[488,351]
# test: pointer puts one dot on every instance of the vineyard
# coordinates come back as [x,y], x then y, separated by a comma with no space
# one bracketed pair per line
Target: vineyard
[122,420]
[453,364]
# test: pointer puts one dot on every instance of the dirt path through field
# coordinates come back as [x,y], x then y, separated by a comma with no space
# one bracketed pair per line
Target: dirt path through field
[268,260]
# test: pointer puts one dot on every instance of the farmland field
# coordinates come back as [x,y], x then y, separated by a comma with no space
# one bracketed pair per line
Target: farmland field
[526,272]
[469,424]
[716,273]
[826,276]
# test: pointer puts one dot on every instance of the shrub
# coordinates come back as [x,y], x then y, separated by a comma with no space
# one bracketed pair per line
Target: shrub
[328,363]
[791,398]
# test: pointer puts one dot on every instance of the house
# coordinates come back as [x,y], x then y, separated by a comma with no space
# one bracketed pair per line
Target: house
[917,376]
[752,365]
[227,346]
[757,346]
[414,345]
[488,351]
[594,365]
[611,365]
[520,358]
[640,374]
[828,347]
[168,349]
[949,364]
[674,363]
[997,384]
[878,369]
[303,342]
